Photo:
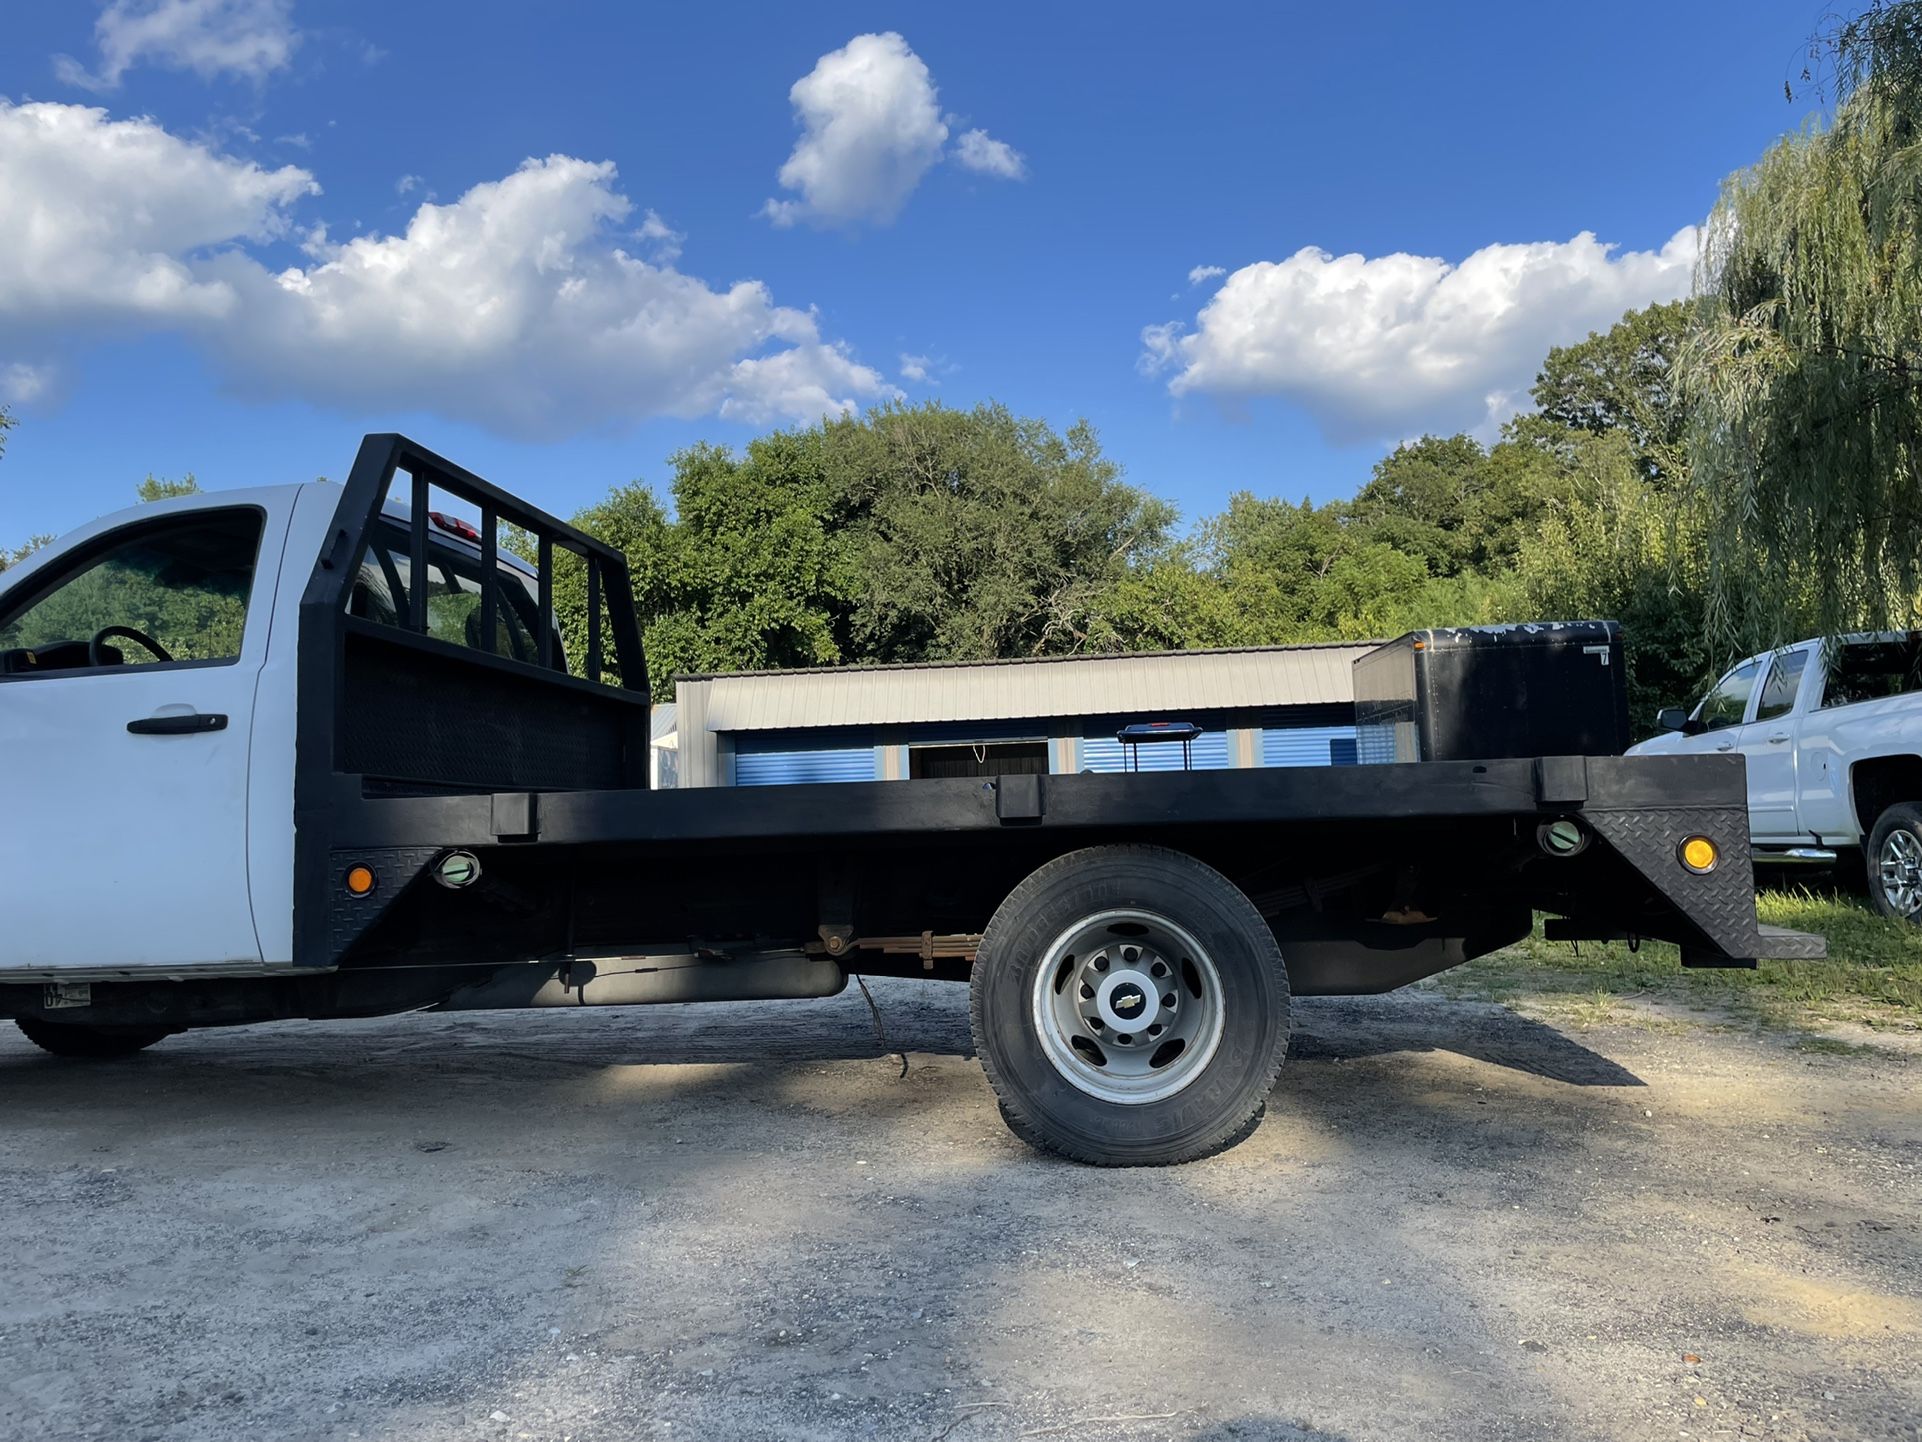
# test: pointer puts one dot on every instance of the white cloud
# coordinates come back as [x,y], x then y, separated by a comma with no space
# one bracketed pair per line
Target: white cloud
[407,184]
[514,307]
[101,219]
[799,383]
[871,128]
[1206,272]
[22,384]
[663,241]
[1388,347]
[246,38]
[978,151]
[916,368]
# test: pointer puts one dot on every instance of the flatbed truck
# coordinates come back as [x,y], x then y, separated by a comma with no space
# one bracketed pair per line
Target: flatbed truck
[319,751]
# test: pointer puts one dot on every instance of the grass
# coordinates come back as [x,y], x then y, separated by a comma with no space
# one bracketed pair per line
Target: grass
[1873,974]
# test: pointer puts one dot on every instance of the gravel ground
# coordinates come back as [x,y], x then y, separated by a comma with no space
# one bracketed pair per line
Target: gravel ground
[741,1222]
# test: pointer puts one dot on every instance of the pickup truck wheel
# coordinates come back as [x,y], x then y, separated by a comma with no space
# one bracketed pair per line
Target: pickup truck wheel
[93,1042]
[1130,1008]
[1895,862]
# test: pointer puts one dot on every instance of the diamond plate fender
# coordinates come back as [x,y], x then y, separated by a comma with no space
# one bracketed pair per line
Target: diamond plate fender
[1721,902]
[395,868]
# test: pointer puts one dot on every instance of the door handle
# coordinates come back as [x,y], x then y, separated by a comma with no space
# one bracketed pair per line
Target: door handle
[1778,736]
[1724,745]
[191,723]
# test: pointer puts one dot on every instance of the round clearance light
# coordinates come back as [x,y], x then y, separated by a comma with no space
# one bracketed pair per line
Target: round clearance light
[1699,855]
[1562,837]
[457,869]
[360,881]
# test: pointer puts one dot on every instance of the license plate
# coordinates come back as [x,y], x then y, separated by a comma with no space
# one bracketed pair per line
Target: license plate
[67,993]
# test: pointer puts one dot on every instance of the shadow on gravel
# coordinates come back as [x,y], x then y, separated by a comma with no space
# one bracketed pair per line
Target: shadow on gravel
[1340,1029]
[1262,1429]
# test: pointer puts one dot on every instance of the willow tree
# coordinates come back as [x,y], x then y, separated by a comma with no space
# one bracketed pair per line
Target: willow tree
[1804,373]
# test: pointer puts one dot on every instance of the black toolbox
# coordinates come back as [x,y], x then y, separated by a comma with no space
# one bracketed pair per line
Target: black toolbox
[1471,693]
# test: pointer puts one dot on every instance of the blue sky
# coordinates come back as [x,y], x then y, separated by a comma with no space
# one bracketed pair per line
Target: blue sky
[217,258]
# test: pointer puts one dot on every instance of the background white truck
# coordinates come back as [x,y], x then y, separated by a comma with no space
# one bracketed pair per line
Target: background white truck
[1834,756]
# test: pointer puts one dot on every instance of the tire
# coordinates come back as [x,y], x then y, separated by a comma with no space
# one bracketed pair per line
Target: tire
[1099,936]
[1894,862]
[90,1042]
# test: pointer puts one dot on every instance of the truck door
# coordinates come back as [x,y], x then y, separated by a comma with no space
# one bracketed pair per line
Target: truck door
[127,676]
[1769,744]
[1722,712]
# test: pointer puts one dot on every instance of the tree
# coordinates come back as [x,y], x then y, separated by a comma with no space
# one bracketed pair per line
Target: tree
[159,488]
[1804,374]
[755,571]
[1421,500]
[1621,547]
[1621,380]
[1458,507]
[13,557]
[1290,572]
[981,534]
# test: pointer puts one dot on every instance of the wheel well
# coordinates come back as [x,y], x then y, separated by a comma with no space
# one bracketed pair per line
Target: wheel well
[1879,783]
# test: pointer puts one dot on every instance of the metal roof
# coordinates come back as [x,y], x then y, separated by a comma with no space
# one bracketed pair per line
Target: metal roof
[1004,690]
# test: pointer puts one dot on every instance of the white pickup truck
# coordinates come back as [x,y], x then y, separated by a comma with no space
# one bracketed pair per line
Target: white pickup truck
[1834,755]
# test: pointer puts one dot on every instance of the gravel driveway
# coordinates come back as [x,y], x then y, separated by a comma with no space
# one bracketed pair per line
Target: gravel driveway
[741,1222]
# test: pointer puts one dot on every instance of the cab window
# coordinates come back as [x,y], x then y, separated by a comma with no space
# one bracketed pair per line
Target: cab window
[1728,702]
[382,592]
[1785,679]
[157,593]
[1874,670]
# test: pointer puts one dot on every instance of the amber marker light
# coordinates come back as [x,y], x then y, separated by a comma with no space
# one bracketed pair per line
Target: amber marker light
[360,881]
[1699,855]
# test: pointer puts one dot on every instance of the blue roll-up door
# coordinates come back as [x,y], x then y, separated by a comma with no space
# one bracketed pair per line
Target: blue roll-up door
[794,758]
[1209,752]
[1308,746]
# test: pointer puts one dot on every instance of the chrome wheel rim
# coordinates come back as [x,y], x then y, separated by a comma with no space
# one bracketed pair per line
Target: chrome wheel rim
[1901,867]
[1128,1006]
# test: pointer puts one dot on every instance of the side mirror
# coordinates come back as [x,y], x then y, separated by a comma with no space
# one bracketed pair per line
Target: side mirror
[1672,718]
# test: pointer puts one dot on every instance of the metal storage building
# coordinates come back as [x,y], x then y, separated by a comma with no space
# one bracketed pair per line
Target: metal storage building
[1260,706]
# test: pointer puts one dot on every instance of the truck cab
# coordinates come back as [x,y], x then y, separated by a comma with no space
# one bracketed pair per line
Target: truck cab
[150,719]
[1832,738]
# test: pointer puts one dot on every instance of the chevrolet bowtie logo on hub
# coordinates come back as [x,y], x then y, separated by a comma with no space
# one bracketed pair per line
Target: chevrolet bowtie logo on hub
[1127,1000]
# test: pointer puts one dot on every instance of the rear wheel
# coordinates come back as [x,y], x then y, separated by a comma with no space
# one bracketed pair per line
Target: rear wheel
[1895,862]
[93,1042]
[1130,1008]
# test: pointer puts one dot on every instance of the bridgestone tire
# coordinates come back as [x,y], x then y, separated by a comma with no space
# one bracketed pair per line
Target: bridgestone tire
[1223,1101]
[88,1042]
[1905,817]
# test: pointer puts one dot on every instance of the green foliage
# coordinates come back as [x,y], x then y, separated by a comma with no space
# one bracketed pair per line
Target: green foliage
[194,620]
[754,571]
[10,557]
[1457,507]
[7,423]
[1873,974]
[1624,548]
[911,533]
[1804,375]
[978,534]
[1619,381]
[159,488]
[190,596]
[193,624]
